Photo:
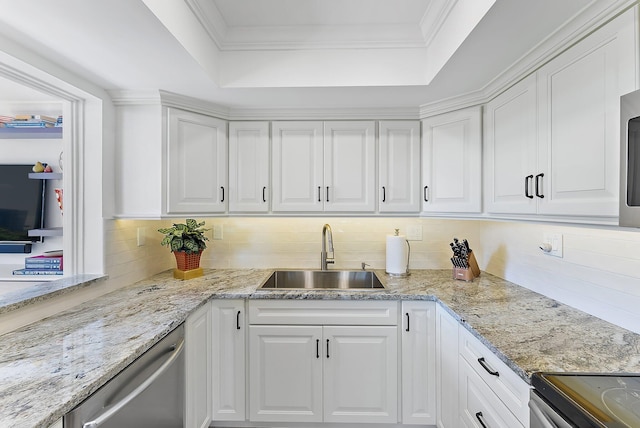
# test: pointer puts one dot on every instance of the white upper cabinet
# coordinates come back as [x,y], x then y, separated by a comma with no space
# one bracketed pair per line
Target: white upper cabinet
[510,157]
[249,162]
[451,162]
[579,129]
[552,140]
[297,169]
[326,166]
[197,163]
[399,167]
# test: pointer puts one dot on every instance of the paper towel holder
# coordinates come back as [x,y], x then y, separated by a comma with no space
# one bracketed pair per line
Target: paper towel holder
[406,273]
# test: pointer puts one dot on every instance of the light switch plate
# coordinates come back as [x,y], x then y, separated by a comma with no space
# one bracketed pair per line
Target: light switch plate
[414,232]
[141,236]
[217,232]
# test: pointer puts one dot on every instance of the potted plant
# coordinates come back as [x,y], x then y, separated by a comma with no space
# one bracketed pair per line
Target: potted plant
[186,241]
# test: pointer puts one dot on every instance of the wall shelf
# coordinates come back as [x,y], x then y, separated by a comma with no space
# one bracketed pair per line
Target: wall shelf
[52,231]
[45,175]
[30,133]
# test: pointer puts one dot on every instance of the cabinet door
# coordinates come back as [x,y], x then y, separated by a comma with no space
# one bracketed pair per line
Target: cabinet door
[198,369]
[399,167]
[579,129]
[360,374]
[451,162]
[510,150]
[418,363]
[197,163]
[249,167]
[228,360]
[297,175]
[446,369]
[349,166]
[285,373]
[479,406]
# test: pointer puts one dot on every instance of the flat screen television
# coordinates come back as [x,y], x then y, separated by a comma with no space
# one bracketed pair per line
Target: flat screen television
[21,204]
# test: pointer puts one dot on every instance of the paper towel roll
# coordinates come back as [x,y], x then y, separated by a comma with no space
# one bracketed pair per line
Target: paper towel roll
[397,254]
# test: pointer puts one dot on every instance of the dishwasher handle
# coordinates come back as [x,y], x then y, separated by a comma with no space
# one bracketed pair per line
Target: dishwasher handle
[115,408]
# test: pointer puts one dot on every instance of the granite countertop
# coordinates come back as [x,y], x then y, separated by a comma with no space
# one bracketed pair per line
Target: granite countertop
[49,367]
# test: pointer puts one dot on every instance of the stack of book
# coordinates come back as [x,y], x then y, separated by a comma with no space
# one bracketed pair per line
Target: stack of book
[41,265]
[34,121]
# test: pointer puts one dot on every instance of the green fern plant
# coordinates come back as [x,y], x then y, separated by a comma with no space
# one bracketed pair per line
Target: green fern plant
[187,237]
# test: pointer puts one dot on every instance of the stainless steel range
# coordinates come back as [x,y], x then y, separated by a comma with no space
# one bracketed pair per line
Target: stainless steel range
[585,400]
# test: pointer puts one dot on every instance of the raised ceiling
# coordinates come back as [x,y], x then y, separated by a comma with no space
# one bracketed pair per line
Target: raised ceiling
[321,43]
[262,54]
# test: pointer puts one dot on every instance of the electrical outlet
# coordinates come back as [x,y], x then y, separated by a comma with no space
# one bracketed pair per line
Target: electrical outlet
[217,232]
[552,244]
[141,236]
[414,233]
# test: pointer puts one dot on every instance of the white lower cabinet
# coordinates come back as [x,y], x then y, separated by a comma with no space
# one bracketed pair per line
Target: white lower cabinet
[418,362]
[446,369]
[305,372]
[228,329]
[479,406]
[198,378]
[360,382]
[285,373]
[506,386]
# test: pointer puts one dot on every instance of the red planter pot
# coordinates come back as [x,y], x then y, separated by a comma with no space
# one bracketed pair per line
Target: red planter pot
[187,261]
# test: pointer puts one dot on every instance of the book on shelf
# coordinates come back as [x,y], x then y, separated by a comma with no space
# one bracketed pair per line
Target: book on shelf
[42,266]
[37,272]
[29,124]
[43,262]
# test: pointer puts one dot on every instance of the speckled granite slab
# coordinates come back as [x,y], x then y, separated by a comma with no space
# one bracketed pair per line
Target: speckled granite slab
[44,291]
[49,367]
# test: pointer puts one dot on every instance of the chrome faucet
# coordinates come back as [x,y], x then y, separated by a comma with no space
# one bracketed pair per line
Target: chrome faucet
[324,260]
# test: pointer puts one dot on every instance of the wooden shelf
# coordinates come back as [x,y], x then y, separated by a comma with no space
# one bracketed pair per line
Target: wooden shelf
[53,231]
[30,133]
[45,175]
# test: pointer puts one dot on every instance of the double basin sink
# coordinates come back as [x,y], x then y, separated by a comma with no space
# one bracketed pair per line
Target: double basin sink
[322,280]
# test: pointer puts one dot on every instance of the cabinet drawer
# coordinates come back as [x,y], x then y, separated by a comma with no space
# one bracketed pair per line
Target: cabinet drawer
[479,406]
[506,384]
[323,312]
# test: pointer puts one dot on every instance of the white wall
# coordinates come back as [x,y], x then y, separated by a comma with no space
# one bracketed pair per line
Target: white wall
[598,272]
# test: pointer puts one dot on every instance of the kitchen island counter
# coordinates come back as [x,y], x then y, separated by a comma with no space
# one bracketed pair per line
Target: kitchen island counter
[49,367]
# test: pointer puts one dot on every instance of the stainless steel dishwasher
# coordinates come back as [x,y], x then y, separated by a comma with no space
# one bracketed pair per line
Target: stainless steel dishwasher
[147,393]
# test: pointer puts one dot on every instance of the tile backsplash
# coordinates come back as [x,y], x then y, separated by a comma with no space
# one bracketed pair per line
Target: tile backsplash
[598,273]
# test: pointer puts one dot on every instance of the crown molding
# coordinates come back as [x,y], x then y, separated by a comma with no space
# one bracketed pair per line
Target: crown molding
[167,99]
[210,19]
[434,17]
[324,114]
[577,28]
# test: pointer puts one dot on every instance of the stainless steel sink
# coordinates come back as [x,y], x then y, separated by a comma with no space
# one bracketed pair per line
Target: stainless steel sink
[322,280]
